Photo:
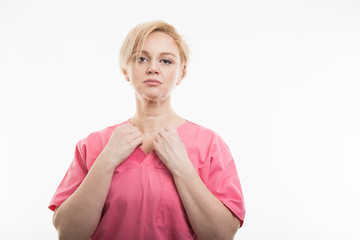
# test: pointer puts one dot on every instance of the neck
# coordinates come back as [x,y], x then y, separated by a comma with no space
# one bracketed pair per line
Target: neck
[152,115]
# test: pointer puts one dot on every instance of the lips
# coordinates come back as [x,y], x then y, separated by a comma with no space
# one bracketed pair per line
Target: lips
[152,81]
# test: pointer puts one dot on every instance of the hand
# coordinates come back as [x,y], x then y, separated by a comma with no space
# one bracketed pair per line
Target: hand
[124,139]
[171,150]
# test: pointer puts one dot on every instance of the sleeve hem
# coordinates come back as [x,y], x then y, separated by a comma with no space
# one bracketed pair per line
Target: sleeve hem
[239,214]
[54,204]
[52,207]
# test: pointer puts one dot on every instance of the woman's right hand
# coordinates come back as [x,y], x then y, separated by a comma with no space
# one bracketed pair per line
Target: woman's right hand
[124,139]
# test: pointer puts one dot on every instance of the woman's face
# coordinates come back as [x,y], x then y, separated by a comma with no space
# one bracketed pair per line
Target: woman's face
[160,61]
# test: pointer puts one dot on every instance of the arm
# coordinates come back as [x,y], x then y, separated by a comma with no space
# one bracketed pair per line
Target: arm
[79,215]
[208,216]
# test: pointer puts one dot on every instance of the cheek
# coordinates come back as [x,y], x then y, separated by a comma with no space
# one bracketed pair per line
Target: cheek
[134,73]
[172,73]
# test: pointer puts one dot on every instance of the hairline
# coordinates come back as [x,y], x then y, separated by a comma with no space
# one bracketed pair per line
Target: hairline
[162,53]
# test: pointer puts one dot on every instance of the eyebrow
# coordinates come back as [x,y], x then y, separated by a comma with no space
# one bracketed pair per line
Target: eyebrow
[163,53]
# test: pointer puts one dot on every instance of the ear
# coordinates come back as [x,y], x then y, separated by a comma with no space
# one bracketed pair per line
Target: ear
[126,76]
[181,76]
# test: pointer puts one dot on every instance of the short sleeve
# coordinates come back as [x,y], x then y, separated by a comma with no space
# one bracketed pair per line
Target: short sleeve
[72,179]
[223,180]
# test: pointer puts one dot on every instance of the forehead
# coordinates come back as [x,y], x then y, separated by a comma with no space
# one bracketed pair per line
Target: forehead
[159,42]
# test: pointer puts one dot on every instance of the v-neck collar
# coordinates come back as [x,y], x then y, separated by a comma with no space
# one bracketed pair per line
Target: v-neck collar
[141,156]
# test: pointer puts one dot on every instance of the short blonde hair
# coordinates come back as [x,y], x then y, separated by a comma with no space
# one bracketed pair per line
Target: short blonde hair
[134,42]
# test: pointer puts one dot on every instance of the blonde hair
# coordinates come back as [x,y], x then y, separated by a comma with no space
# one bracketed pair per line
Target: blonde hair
[134,42]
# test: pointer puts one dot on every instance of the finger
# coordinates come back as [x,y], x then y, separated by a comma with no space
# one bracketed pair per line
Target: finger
[132,126]
[128,126]
[138,140]
[132,130]
[136,134]
[168,128]
[158,139]
[125,128]
[162,132]
[157,143]
[160,136]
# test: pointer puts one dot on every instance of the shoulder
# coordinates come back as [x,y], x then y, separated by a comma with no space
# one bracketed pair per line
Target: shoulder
[202,136]
[92,145]
[197,130]
[99,138]
[206,149]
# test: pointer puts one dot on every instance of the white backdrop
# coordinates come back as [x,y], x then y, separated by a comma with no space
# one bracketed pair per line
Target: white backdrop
[278,80]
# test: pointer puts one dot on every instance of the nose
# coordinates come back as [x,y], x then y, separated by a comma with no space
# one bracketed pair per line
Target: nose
[152,69]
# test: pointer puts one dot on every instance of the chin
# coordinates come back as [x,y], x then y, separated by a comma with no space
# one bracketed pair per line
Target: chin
[154,97]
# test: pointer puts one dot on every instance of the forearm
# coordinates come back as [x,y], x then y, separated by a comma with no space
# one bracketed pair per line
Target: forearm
[208,216]
[79,215]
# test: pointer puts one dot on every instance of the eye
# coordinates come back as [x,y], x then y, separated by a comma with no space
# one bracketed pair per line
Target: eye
[142,59]
[166,61]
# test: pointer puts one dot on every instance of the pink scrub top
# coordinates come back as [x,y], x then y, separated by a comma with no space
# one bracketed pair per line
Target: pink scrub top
[142,202]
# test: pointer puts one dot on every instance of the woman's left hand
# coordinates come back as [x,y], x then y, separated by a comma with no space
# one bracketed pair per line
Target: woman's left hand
[171,150]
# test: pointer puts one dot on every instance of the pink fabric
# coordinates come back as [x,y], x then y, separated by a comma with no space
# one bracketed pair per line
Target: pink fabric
[143,202]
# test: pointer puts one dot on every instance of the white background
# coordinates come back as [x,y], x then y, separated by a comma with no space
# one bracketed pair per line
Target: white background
[278,80]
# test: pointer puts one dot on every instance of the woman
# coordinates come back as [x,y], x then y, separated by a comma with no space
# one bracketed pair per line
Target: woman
[156,175]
